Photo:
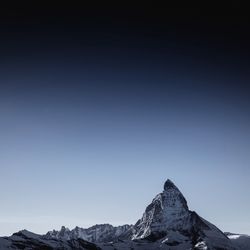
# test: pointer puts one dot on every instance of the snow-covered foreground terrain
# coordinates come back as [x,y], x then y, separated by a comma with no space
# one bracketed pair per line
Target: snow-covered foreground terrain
[167,223]
[240,241]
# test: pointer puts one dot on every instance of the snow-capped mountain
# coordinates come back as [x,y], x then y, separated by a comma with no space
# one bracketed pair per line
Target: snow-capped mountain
[168,210]
[167,223]
[169,220]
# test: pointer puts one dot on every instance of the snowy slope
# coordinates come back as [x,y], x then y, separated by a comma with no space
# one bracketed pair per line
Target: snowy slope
[240,241]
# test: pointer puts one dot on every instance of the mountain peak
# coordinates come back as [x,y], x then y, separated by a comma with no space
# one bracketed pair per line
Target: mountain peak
[168,217]
[173,194]
[169,185]
[167,211]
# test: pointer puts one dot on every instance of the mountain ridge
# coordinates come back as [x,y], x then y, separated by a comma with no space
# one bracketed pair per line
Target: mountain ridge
[167,223]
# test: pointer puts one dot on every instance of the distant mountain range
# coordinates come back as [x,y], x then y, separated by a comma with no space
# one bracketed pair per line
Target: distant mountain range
[167,223]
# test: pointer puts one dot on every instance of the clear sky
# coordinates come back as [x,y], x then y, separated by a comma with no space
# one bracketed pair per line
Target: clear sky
[95,117]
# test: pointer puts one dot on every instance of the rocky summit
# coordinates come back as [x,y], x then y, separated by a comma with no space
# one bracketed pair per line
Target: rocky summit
[167,219]
[167,223]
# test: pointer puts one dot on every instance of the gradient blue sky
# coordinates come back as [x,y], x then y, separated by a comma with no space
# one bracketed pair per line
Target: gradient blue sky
[90,130]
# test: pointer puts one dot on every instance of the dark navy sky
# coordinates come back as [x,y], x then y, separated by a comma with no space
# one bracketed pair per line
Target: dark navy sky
[98,106]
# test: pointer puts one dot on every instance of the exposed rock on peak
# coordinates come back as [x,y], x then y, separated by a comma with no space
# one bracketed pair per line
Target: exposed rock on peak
[173,196]
[167,217]
[169,185]
[167,210]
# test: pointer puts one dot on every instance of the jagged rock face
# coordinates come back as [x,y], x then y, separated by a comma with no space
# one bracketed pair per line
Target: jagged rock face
[97,233]
[169,220]
[168,210]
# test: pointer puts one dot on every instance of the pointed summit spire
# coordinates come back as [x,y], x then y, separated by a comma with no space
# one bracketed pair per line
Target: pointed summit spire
[170,190]
[167,207]
[169,185]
